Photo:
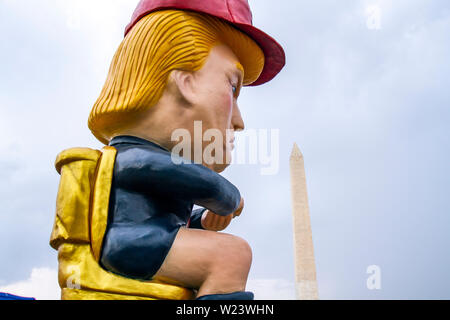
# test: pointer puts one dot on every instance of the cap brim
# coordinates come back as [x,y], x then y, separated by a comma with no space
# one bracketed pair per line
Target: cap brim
[275,58]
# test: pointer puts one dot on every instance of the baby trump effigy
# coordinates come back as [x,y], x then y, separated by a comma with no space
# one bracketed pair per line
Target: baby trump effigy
[125,224]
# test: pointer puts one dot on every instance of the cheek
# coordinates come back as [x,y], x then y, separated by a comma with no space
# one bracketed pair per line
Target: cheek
[220,108]
[226,105]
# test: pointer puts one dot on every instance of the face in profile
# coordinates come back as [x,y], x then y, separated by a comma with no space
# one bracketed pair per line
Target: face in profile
[217,86]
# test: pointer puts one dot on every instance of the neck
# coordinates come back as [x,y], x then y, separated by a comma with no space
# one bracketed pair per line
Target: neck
[159,122]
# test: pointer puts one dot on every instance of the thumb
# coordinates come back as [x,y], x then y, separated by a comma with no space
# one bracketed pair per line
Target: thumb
[238,212]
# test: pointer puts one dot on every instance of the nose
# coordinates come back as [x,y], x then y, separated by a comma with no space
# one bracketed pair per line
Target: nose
[236,119]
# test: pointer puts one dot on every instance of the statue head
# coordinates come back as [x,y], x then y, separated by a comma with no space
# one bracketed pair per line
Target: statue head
[175,67]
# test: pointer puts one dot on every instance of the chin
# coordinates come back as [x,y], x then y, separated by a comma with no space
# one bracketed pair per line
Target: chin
[216,167]
[219,167]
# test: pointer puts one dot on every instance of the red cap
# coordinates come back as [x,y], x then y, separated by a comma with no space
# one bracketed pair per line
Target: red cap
[236,12]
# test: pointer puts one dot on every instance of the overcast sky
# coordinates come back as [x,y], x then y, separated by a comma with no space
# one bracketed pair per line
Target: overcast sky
[364,94]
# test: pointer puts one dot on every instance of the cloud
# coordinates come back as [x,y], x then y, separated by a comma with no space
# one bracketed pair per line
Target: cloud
[369,110]
[42,285]
[271,289]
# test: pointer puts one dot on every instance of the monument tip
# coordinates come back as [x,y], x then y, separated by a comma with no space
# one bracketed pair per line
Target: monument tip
[296,153]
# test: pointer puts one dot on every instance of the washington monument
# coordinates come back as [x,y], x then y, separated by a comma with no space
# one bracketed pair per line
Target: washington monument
[305,266]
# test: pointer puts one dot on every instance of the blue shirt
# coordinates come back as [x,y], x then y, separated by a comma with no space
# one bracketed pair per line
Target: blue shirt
[151,198]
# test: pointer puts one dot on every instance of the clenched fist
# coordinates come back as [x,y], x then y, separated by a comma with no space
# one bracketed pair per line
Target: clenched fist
[215,222]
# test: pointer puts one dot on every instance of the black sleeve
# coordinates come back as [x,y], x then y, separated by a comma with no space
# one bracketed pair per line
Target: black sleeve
[196,219]
[146,170]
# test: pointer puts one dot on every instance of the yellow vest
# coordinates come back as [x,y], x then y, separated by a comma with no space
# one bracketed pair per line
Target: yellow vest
[80,224]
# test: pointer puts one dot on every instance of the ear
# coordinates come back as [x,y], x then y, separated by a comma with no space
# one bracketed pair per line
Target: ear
[183,86]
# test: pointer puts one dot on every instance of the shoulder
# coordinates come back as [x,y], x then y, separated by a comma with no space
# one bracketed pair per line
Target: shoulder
[140,155]
[146,156]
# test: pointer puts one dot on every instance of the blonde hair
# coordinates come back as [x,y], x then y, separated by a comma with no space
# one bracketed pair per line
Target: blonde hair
[159,43]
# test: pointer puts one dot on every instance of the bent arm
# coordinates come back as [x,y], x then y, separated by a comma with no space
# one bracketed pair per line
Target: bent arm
[196,219]
[146,170]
